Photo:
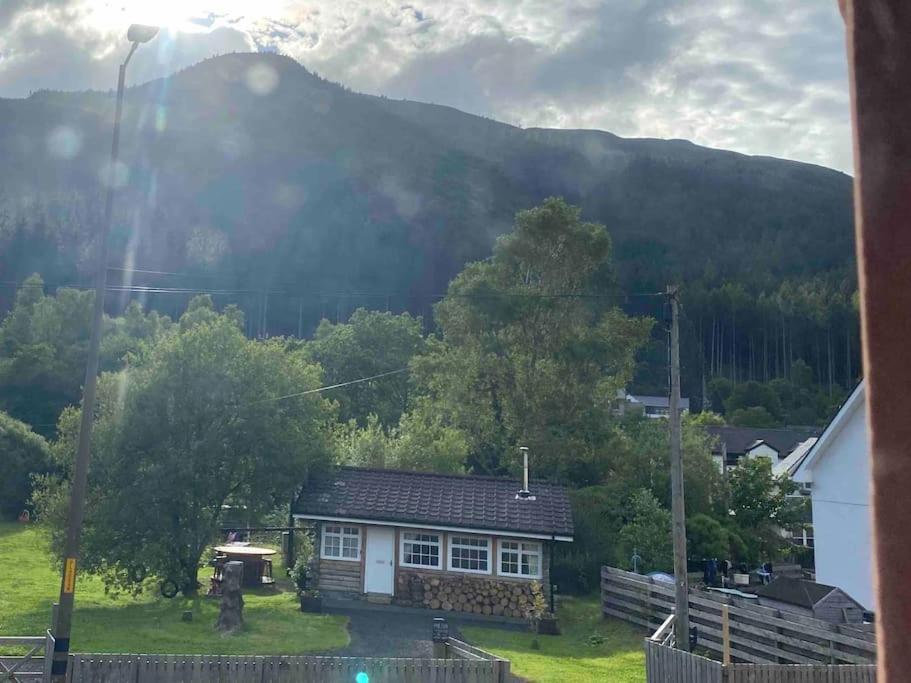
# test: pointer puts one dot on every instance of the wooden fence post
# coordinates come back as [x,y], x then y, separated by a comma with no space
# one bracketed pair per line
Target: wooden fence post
[725,635]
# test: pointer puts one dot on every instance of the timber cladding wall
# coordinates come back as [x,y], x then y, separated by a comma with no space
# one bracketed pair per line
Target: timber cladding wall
[760,635]
[460,593]
[340,575]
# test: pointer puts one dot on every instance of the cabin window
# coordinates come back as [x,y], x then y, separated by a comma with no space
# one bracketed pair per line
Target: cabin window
[520,558]
[469,554]
[420,549]
[341,543]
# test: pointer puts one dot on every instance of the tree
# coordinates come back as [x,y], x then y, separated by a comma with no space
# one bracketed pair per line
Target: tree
[761,506]
[369,344]
[754,395]
[647,532]
[44,344]
[43,347]
[707,538]
[204,419]
[754,416]
[533,347]
[420,442]
[643,462]
[22,454]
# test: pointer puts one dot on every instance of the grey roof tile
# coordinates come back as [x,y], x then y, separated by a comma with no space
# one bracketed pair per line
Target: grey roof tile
[438,499]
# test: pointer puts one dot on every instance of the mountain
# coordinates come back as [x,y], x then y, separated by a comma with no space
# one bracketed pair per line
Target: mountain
[248,172]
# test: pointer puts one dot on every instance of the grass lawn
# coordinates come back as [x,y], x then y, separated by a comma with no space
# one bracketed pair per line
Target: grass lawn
[570,657]
[274,623]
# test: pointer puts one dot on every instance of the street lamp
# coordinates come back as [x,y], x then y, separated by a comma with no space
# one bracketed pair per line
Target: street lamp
[137,35]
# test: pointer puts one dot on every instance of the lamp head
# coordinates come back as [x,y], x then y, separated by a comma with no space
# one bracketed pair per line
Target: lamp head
[139,33]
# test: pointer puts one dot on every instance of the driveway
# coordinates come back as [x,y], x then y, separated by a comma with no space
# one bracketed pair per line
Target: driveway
[388,631]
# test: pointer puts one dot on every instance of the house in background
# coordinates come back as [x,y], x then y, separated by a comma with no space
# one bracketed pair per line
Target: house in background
[836,471]
[434,540]
[811,599]
[733,443]
[650,406]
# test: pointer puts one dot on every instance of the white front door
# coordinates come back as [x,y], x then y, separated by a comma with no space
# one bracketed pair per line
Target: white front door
[378,565]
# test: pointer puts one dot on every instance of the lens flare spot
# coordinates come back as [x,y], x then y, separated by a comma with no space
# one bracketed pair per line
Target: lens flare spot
[64,142]
[161,118]
[261,79]
[115,175]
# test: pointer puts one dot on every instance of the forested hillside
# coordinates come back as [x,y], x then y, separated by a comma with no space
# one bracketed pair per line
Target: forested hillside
[253,179]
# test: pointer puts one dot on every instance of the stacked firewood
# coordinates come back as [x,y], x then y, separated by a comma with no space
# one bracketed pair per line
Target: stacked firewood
[468,594]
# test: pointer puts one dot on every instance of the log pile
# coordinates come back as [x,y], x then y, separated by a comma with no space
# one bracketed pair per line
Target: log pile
[467,594]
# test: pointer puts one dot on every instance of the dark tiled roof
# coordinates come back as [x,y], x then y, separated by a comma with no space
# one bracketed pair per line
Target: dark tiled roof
[795,591]
[438,500]
[739,439]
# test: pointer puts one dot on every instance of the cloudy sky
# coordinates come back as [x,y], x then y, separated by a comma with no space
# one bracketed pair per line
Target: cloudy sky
[756,76]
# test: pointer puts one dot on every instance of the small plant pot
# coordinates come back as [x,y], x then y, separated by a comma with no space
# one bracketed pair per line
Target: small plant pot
[548,626]
[311,604]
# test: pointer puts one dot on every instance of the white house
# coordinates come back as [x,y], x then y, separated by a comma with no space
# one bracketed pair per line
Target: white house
[837,472]
[650,406]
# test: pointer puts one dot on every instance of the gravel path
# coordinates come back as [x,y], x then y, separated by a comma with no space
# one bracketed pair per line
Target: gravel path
[380,631]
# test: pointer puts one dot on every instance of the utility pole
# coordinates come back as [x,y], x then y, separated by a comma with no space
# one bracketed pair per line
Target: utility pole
[64,613]
[678,510]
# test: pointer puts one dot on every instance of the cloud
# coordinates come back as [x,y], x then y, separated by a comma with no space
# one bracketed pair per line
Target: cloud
[757,76]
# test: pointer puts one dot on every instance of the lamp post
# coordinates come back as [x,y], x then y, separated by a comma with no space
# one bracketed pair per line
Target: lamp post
[137,34]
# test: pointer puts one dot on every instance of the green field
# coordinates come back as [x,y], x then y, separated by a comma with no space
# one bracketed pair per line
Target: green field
[274,623]
[575,656]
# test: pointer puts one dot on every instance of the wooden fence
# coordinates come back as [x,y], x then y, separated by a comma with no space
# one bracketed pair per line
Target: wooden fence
[758,635]
[664,664]
[467,664]
[34,666]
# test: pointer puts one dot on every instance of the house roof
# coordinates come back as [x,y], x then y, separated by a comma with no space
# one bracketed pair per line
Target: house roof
[830,433]
[761,442]
[790,464]
[438,500]
[659,401]
[740,439]
[795,591]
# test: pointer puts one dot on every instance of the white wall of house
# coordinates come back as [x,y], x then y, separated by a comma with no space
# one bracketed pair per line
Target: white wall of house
[763,450]
[839,475]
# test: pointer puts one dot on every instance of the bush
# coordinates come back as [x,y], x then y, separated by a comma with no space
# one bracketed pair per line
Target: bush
[23,454]
[576,572]
[302,572]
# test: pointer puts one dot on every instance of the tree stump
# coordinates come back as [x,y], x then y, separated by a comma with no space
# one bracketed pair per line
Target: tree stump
[231,614]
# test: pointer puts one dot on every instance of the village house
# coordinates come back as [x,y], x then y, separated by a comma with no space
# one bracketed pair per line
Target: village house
[733,443]
[836,471]
[650,406]
[452,542]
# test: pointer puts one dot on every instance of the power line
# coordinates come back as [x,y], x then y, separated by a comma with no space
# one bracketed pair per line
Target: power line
[332,386]
[148,289]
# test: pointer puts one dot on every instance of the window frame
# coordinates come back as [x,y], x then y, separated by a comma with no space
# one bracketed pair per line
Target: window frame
[341,535]
[449,554]
[520,551]
[421,532]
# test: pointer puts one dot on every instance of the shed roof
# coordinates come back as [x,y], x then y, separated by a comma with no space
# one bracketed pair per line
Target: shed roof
[795,591]
[438,500]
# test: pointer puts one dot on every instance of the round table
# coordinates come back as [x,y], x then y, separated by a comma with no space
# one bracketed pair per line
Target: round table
[257,566]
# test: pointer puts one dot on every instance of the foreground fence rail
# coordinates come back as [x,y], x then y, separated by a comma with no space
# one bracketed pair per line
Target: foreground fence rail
[757,635]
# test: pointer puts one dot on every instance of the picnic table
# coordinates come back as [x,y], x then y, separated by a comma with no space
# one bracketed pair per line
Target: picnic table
[257,564]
